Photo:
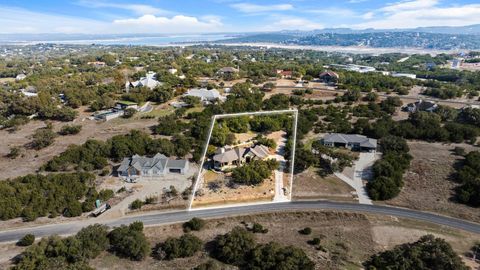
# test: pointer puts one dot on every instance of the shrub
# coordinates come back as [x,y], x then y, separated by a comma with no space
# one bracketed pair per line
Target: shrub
[93,240]
[194,224]
[270,256]
[26,240]
[315,241]
[14,152]
[42,138]
[255,172]
[70,130]
[306,231]
[137,204]
[258,228]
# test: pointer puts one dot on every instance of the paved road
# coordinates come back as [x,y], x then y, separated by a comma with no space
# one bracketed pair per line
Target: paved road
[181,216]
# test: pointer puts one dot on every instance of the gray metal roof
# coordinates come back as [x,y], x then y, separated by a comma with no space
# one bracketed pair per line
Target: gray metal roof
[363,141]
[159,161]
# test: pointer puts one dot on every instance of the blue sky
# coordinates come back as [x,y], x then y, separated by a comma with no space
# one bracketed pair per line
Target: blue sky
[201,16]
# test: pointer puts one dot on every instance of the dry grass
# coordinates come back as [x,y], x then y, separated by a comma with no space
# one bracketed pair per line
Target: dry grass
[309,185]
[428,184]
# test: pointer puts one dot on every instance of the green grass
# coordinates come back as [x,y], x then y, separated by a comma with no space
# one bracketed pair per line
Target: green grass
[156,113]
[194,109]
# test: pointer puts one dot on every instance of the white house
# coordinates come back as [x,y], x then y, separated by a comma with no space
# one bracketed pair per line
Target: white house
[148,81]
[205,95]
[20,77]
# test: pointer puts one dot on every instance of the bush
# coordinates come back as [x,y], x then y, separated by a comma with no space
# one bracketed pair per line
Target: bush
[14,152]
[137,204]
[70,130]
[315,241]
[270,256]
[209,265]
[255,172]
[93,240]
[194,224]
[26,240]
[185,246]
[258,228]
[42,138]
[306,231]
[129,241]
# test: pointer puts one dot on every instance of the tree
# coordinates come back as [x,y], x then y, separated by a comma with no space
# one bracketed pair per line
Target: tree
[272,257]
[427,253]
[93,240]
[70,130]
[232,247]
[129,241]
[26,240]
[254,173]
[129,113]
[136,204]
[185,246]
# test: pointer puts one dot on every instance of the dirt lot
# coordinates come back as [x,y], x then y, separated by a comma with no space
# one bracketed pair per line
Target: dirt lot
[427,183]
[31,160]
[309,185]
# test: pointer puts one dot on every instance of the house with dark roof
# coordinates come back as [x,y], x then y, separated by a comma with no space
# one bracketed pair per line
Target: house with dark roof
[159,165]
[226,158]
[421,106]
[227,70]
[351,141]
[329,77]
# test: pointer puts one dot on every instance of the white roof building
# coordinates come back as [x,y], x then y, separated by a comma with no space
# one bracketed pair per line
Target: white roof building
[205,94]
[20,77]
[148,81]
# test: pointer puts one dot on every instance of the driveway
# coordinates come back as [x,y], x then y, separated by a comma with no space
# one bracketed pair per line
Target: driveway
[279,156]
[361,174]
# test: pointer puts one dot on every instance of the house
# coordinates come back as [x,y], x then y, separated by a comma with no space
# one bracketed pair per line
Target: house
[329,77]
[148,81]
[20,77]
[226,158]
[123,105]
[227,71]
[205,95]
[172,71]
[29,91]
[97,64]
[137,166]
[107,115]
[351,141]
[285,74]
[404,75]
[421,106]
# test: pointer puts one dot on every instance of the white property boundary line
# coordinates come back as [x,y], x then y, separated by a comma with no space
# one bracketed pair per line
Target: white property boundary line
[220,116]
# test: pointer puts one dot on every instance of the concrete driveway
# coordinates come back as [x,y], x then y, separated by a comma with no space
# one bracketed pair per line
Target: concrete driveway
[361,174]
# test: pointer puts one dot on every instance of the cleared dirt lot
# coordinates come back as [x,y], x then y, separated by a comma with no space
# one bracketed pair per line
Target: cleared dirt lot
[309,185]
[31,160]
[428,185]
[348,238]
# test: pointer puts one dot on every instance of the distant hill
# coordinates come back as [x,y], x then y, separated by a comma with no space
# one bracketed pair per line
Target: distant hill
[441,38]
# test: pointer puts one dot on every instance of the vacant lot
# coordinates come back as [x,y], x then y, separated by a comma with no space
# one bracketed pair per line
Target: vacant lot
[309,185]
[428,184]
[30,160]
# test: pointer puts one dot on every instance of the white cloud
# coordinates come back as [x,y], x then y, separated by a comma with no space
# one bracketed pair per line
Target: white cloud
[254,8]
[336,12]
[175,24]
[138,9]
[293,23]
[420,13]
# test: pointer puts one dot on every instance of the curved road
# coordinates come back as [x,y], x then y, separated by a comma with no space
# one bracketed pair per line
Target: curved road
[181,216]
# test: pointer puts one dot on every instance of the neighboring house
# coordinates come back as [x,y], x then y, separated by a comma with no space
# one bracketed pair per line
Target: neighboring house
[421,106]
[123,105]
[30,91]
[226,158]
[172,71]
[205,95]
[285,74]
[329,77]
[20,77]
[97,64]
[159,165]
[351,141]
[227,70]
[107,115]
[148,81]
